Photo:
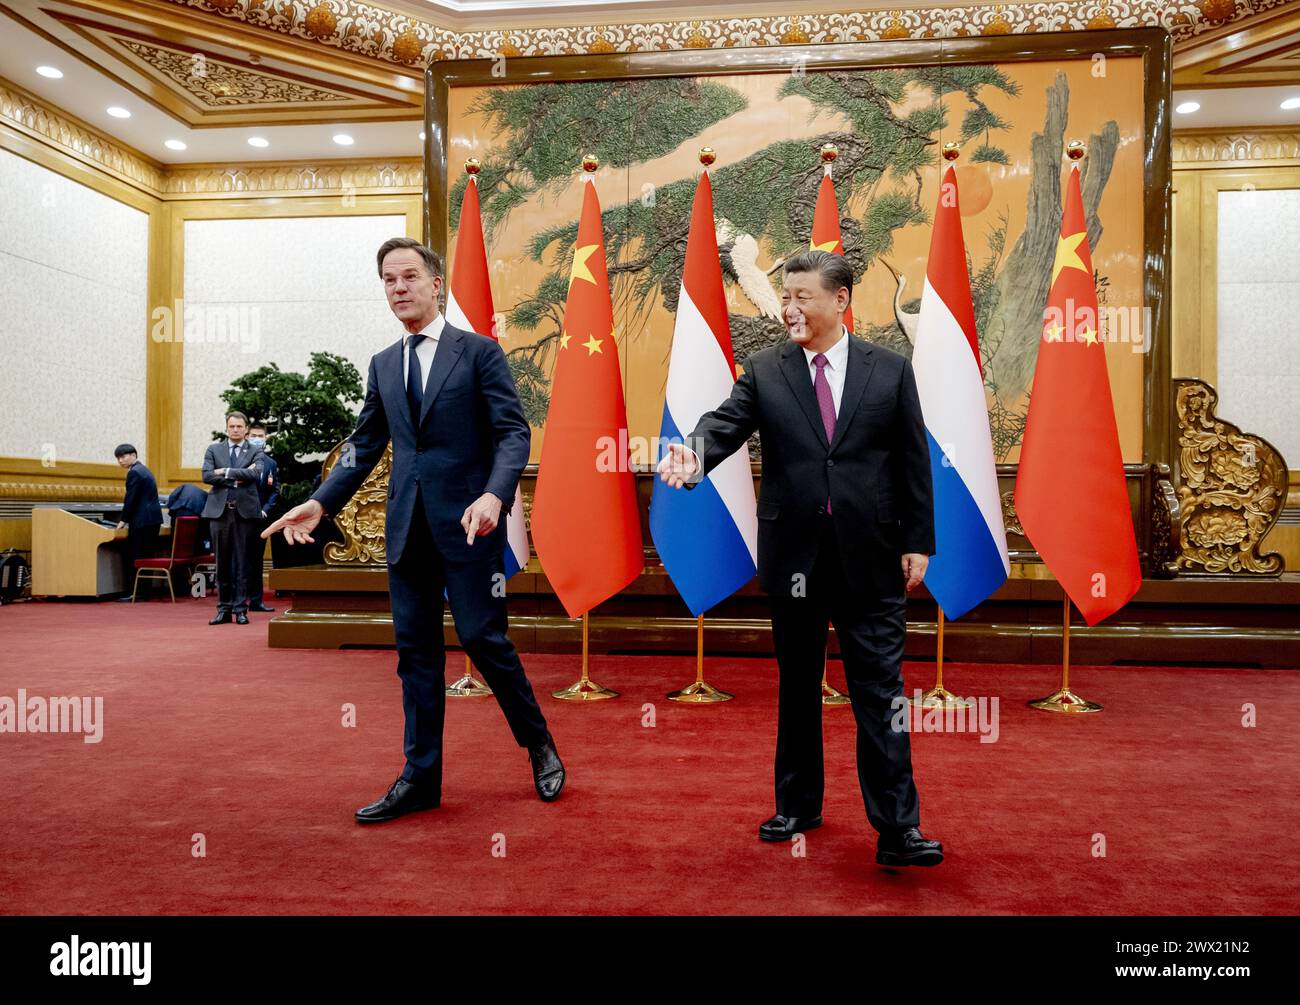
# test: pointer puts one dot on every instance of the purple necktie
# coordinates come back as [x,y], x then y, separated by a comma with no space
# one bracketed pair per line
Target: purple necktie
[824,402]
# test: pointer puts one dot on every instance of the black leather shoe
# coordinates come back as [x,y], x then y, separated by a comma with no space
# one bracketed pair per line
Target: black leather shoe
[401,798]
[908,847]
[780,828]
[548,772]
[222,618]
[241,618]
[261,609]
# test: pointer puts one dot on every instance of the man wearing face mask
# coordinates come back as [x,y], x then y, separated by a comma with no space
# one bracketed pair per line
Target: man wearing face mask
[845,528]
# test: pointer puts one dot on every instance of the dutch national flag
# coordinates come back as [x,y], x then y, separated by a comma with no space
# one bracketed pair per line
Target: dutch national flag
[707,537]
[469,307]
[970,560]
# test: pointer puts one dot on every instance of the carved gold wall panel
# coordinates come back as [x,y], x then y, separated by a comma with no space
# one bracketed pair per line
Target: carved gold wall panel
[1231,489]
[361,521]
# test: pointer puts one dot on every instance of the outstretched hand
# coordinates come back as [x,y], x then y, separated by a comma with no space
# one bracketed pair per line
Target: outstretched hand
[679,466]
[298,523]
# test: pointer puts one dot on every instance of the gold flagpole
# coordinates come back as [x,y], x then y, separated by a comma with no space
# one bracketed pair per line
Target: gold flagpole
[1065,700]
[699,693]
[939,696]
[585,689]
[829,695]
[468,686]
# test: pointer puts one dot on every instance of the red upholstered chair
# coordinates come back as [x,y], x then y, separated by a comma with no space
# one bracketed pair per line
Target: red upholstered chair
[185,554]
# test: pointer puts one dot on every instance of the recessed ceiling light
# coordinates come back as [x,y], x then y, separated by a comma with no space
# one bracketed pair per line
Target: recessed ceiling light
[53,72]
[258,141]
[118,112]
[421,135]
[1187,107]
[343,139]
[1290,103]
[174,144]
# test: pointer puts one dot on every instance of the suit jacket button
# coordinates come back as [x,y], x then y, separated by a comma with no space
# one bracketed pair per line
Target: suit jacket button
[830,463]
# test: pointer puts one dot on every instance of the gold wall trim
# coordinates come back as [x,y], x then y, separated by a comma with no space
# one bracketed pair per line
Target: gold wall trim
[403,175]
[370,30]
[24,112]
[59,491]
[68,135]
[1217,148]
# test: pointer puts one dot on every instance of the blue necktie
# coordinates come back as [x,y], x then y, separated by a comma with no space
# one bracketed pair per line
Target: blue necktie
[414,384]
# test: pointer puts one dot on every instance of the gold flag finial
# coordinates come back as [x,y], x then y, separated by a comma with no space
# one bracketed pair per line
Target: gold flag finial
[590,163]
[951,150]
[707,156]
[1075,150]
[472,166]
[829,152]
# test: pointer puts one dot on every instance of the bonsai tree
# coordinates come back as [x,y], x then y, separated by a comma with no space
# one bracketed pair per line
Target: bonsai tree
[305,415]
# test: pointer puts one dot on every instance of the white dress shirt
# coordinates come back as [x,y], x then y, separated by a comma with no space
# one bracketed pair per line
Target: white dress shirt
[423,352]
[837,358]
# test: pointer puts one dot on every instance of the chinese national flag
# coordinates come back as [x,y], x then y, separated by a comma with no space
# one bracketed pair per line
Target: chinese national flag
[585,524]
[1070,490]
[826,231]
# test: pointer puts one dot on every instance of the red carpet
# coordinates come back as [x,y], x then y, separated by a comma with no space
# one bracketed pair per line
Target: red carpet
[208,731]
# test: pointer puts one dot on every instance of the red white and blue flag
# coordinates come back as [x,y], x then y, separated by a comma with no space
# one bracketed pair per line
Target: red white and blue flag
[469,307]
[707,538]
[970,560]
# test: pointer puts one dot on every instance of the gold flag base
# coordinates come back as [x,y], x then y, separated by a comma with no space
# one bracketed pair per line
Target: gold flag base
[1065,701]
[940,697]
[832,697]
[584,690]
[468,686]
[700,693]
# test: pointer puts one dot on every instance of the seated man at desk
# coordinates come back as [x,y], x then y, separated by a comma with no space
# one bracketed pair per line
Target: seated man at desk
[141,514]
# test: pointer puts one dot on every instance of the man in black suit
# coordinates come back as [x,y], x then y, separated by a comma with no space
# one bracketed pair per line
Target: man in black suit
[845,528]
[141,513]
[268,492]
[188,500]
[233,507]
[445,399]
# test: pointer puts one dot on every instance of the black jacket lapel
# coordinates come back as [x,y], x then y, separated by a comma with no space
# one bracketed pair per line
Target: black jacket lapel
[861,361]
[451,343]
[794,365]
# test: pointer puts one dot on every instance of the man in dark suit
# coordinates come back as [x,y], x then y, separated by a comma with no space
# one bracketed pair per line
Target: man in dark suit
[845,527]
[188,500]
[268,492]
[231,468]
[141,513]
[445,399]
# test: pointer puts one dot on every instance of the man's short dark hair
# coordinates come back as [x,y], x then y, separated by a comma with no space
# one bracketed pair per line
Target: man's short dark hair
[432,263]
[834,269]
[237,415]
[257,425]
[125,448]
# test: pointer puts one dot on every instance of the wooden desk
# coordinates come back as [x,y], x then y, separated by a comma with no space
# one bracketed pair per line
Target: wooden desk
[75,557]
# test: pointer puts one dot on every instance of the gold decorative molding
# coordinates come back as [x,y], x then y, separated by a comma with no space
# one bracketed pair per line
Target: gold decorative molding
[59,491]
[24,112]
[1219,148]
[352,177]
[222,84]
[1232,487]
[361,521]
[370,30]
[68,135]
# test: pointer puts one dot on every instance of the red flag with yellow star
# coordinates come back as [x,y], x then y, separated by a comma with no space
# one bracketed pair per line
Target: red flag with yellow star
[1070,490]
[586,528]
[826,231]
